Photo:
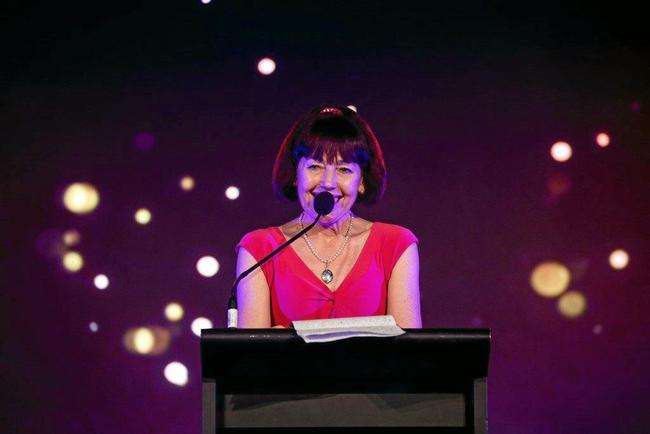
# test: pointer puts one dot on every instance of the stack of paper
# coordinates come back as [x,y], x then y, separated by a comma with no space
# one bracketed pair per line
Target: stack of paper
[327,330]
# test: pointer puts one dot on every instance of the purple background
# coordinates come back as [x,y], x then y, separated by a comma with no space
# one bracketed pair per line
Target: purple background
[466,102]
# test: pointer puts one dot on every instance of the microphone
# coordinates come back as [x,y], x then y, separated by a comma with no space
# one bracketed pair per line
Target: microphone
[323,205]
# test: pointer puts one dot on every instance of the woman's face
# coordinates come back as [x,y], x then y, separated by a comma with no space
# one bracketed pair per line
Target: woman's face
[342,179]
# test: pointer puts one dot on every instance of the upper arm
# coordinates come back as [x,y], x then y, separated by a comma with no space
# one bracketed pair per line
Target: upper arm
[404,289]
[253,294]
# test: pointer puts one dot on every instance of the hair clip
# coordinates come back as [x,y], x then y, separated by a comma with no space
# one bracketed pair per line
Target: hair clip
[332,110]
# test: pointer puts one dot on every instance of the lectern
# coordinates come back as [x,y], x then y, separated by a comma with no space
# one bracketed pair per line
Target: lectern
[270,380]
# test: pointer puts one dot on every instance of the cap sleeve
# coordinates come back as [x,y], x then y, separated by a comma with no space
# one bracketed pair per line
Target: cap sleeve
[396,240]
[259,243]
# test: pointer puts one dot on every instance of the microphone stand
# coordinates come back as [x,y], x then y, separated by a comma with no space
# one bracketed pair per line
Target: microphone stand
[232,302]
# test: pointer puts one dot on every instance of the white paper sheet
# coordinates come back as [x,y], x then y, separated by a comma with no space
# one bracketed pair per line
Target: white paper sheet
[328,330]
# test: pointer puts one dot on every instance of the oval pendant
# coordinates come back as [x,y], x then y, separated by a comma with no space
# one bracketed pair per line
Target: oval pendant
[327,276]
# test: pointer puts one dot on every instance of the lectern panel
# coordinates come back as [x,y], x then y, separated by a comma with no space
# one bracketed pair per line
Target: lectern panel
[344,410]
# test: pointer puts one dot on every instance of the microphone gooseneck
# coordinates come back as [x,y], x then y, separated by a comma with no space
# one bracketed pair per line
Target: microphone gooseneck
[323,205]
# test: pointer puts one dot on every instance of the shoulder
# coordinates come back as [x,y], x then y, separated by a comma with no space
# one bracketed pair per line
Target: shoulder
[259,240]
[259,234]
[394,233]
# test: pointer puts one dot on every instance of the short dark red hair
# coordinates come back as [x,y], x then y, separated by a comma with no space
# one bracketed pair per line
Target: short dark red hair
[323,133]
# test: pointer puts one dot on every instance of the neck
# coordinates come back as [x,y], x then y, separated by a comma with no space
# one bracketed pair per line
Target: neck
[330,228]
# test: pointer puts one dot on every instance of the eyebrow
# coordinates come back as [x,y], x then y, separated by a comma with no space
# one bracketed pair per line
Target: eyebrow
[338,163]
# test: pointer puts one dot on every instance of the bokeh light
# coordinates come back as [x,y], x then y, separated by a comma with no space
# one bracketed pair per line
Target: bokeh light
[93,326]
[200,323]
[150,341]
[143,340]
[71,237]
[572,304]
[619,259]
[232,192]
[207,266]
[352,107]
[205,2]
[602,140]
[142,216]
[73,261]
[176,373]
[561,151]
[101,281]
[174,312]
[81,198]
[186,183]
[266,66]
[598,329]
[550,279]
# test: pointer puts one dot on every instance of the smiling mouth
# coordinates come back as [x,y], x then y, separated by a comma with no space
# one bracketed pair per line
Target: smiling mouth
[336,198]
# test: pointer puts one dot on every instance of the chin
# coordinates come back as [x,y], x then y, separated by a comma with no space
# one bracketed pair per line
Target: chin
[336,214]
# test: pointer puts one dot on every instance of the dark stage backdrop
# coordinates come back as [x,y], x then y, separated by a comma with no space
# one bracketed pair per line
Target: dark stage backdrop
[466,102]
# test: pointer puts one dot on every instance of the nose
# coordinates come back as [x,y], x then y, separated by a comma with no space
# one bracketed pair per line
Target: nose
[328,180]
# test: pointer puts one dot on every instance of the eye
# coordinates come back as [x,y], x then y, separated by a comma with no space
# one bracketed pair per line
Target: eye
[345,170]
[314,166]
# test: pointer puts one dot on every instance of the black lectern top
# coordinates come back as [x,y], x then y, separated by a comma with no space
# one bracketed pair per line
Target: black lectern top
[252,359]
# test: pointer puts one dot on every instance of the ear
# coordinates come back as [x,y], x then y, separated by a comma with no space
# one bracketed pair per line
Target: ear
[362,188]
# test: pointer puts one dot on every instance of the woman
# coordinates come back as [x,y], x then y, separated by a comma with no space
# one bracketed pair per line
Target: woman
[345,266]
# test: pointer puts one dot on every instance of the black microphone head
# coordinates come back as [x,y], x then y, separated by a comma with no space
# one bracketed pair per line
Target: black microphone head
[323,203]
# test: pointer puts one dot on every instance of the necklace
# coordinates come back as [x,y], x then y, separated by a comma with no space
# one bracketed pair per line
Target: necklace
[327,276]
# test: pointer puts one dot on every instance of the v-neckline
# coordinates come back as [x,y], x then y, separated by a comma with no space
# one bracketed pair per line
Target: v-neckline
[315,276]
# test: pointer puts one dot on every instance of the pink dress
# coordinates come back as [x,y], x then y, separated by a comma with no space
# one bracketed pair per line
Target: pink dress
[298,294]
